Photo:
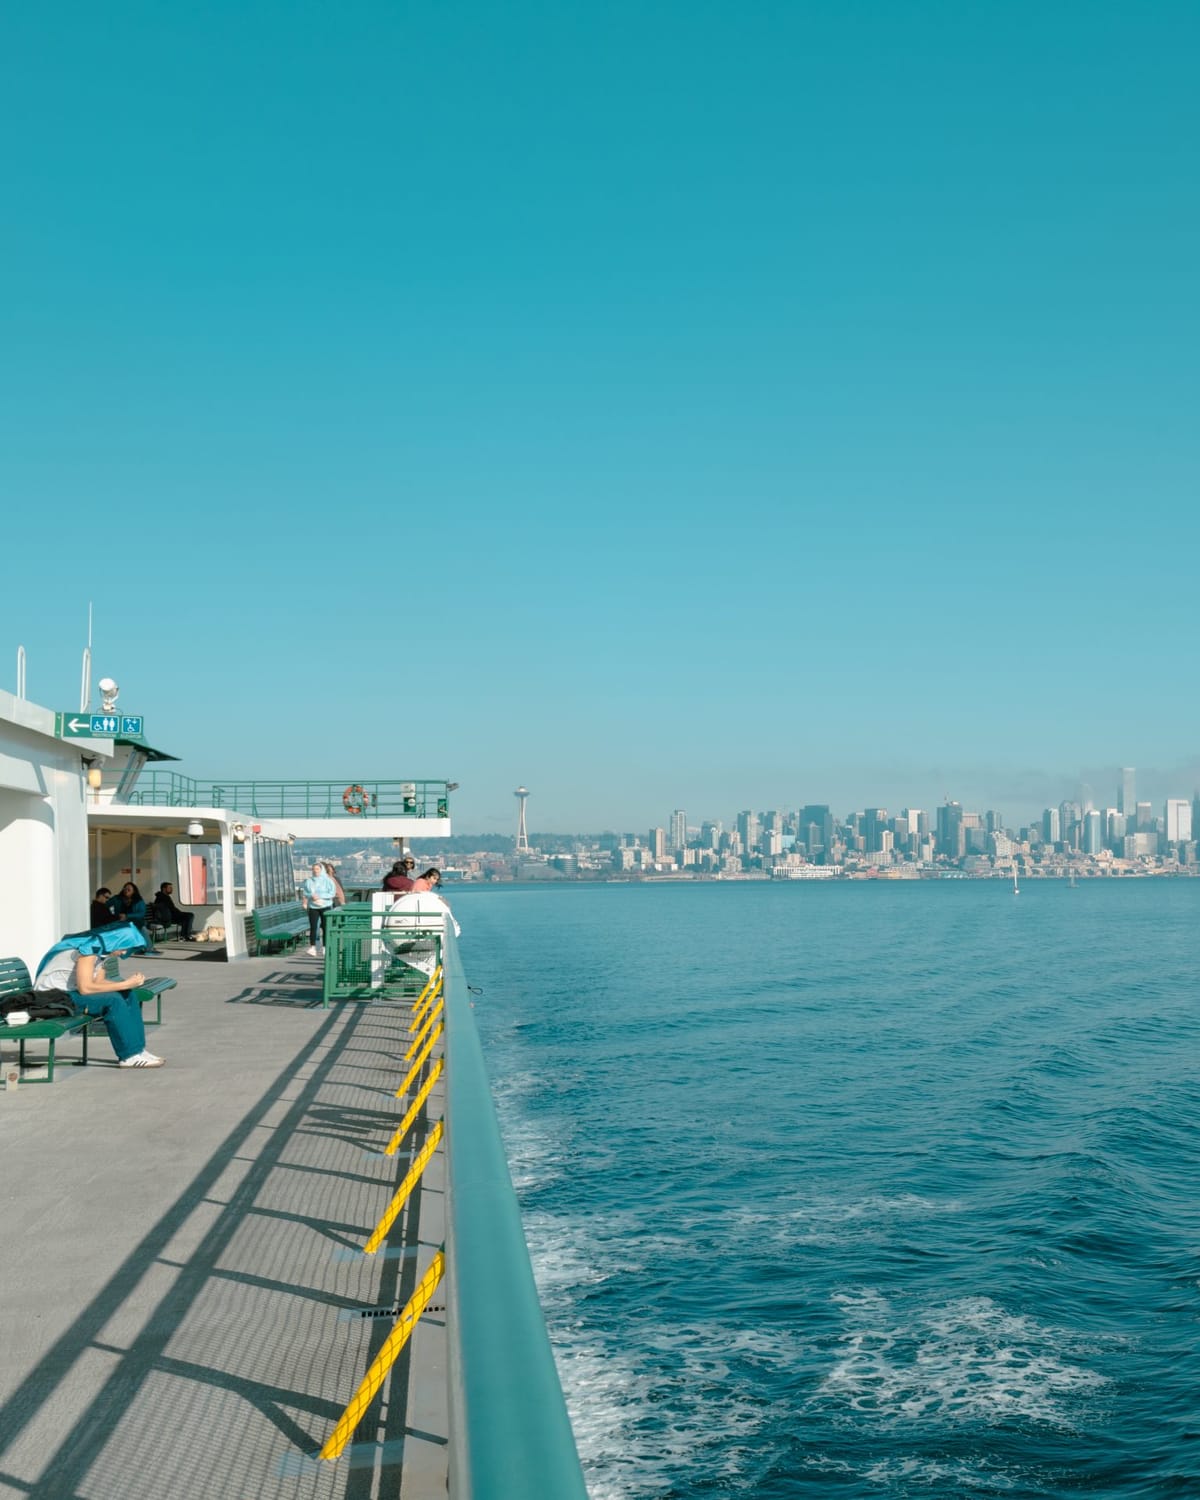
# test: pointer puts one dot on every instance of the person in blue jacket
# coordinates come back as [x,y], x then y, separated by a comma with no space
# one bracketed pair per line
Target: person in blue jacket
[317,894]
[130,906]
[74,968]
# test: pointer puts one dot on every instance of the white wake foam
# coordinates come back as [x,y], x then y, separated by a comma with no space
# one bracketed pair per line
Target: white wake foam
[967,1361]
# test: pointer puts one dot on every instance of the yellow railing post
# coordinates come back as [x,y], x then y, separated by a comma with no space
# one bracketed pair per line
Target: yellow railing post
[385,1359]
[414,1110]
[419,1039]
[401,1195]
[428,996]
[422,1059]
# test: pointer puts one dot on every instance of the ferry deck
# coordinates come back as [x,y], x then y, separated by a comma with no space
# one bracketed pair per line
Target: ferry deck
[192,1308]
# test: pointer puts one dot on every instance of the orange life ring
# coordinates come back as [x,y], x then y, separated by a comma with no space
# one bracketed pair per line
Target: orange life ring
[355,800]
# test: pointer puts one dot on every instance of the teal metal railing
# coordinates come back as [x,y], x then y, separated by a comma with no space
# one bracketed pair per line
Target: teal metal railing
[510,1437]
[356,801]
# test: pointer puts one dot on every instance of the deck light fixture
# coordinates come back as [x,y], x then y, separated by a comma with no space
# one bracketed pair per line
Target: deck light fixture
[195,829]
[239,833]
[109,693]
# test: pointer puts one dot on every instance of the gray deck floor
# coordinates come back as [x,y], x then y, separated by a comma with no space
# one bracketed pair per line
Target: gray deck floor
[180,1253]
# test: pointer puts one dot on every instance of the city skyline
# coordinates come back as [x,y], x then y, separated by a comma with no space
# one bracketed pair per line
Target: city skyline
[1150,785]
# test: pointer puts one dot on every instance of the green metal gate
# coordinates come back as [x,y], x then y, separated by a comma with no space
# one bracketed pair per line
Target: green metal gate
[365,959]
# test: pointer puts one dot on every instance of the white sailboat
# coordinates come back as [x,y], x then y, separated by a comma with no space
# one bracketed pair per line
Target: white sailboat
[1016,887]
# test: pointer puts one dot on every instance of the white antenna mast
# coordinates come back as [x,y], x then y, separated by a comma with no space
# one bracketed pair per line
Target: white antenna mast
[20,671]
[85,688]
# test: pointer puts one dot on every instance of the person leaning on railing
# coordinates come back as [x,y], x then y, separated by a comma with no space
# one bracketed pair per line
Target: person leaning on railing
[401,878]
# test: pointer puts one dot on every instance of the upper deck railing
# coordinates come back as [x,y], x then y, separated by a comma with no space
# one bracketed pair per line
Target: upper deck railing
[356,801]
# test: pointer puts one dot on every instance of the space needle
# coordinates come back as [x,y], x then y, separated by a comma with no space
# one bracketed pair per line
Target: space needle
[522,795]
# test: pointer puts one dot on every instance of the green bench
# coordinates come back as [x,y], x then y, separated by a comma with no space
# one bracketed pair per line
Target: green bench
[157,927]
[14,980]
[285,925]
[153,989]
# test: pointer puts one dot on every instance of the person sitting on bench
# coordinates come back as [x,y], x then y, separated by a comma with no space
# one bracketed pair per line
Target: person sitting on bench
[164,910]
[101,911]
[74,969]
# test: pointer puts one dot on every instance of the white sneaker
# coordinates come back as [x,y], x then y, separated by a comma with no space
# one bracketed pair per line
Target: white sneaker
[312,952]
[141,1059]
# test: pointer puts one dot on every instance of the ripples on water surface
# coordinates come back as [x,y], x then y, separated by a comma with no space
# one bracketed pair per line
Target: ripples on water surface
[859,1190]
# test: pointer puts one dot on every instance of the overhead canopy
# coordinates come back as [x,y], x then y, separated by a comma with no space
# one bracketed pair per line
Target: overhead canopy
[138,743]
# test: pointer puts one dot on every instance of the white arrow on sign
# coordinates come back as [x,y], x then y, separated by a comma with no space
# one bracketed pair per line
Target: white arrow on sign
[75,725]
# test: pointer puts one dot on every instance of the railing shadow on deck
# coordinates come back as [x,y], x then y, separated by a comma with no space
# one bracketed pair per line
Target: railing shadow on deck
[65,1470]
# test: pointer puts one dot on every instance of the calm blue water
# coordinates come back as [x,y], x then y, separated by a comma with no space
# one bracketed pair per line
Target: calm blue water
[858,1190]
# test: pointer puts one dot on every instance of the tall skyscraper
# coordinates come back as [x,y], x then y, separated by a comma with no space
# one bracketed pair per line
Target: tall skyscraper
[658,844]
[950,840]
[1093,832]
[1052,826]
[816,828]
[874,822]
[678,829]
[1177,820]
[747,827]
[1127,791]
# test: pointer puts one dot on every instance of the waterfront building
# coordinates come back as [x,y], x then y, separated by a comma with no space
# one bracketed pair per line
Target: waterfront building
[1144,820]
[1051,826]
[657,842]
[1126,791]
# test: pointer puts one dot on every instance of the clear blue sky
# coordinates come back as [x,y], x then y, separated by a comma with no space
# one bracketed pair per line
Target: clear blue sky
[702,405]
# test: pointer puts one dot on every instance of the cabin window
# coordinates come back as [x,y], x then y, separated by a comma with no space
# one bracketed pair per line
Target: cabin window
[274,878]
[199,876]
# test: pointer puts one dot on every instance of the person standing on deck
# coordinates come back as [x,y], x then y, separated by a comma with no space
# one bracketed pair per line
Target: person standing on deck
[339,894]
[317,895]
[74,969]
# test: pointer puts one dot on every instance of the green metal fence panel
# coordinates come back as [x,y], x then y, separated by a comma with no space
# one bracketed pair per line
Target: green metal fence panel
[510,1437]
[365,960]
